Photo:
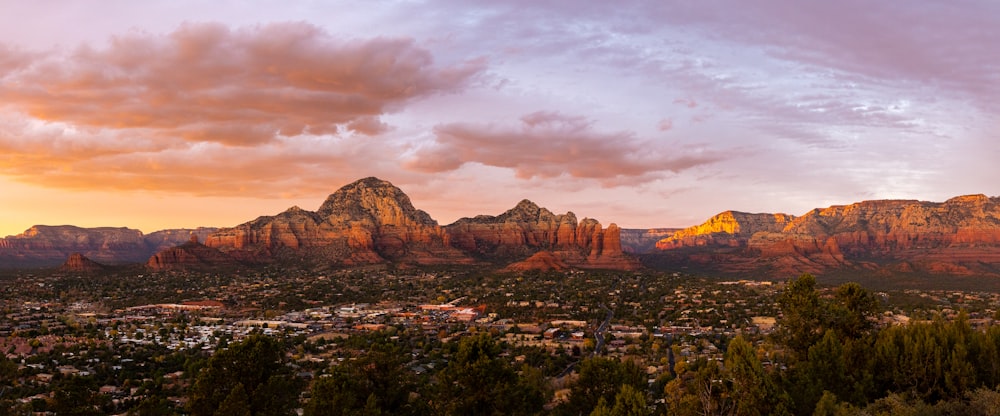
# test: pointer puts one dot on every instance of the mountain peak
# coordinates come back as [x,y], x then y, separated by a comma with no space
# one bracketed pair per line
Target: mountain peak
[374,200]
[526,211]
[79,263]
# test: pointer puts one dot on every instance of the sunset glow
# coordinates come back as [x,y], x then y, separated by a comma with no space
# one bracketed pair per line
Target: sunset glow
[156,115]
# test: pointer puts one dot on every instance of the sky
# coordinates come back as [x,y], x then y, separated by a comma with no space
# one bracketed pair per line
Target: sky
[169,114]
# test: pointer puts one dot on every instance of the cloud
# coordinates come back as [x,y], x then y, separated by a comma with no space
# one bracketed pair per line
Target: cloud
[551,144]
[210,110]
[238,87]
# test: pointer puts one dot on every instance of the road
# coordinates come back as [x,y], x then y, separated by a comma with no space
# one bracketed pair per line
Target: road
[598,335]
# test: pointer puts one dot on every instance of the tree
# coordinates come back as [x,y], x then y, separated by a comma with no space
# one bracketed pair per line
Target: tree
[236,403]
[630,402]
[478,382]
[76,396]
[601,378]
[753,391]
[850,314]
[377,382]
[801,315]
[256,365]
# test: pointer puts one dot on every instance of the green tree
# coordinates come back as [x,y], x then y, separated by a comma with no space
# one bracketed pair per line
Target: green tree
[376,382]
[237,403]
[852,310]
[76,396]
[478,382]
[257,365]
[601,378]
[801,316]
[754,392]
[630,402]
[828,405]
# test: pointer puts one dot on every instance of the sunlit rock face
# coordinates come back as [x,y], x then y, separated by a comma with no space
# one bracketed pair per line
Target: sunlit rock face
[366,222]
[371,221]
[50,246]
[730,229]
[635,240]
[526,231]
[958,236]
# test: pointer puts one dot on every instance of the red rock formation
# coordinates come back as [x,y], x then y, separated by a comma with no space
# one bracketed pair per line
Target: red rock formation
[371,221]
[541,261]
[637,241]
[78,263]
[49,246]
[730,229]
[527,229]
[366,222]
[959,236]
[190,255]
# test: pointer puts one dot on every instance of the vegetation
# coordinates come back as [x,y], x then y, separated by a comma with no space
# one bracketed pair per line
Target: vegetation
[682,346]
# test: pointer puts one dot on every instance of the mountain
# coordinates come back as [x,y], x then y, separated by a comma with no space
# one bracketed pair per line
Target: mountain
[635,240]
[371,221]
[526,230]
[960,236]
[191,254]
[50,246]
[78,263]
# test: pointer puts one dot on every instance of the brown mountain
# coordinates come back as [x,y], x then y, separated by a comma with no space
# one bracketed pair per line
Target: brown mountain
[191,254]
[960,236]
[636,240]
[50,246]
[526,230]
[366,222]
[372,221]
[78,263]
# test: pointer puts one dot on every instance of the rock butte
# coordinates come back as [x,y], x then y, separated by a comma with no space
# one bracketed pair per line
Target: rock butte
[959,236]
[372,221]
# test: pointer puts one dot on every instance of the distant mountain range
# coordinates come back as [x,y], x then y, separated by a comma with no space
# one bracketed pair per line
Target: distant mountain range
[366,222]
[49,246]
[372,222]
[960,236]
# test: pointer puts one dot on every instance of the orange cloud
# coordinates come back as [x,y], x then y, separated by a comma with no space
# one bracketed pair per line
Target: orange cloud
[206,82]
[212,110]
[549,144]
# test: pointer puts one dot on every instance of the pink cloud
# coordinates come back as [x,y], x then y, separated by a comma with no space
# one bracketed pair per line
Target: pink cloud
[242,87]
[665,124]
[551,144]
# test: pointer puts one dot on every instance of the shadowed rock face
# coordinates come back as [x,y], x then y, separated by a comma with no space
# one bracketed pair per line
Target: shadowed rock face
[190,255]
[959,236]
[50,246]
[78,263]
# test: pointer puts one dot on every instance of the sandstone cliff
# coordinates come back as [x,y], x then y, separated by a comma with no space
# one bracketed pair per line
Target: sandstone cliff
[188,256]
[526,230]
[50,246]
[372,221]
[958,236]
[637,241]
[729,229]
[366,222]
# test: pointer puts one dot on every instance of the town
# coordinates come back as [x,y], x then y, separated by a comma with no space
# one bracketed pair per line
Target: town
[106,329]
